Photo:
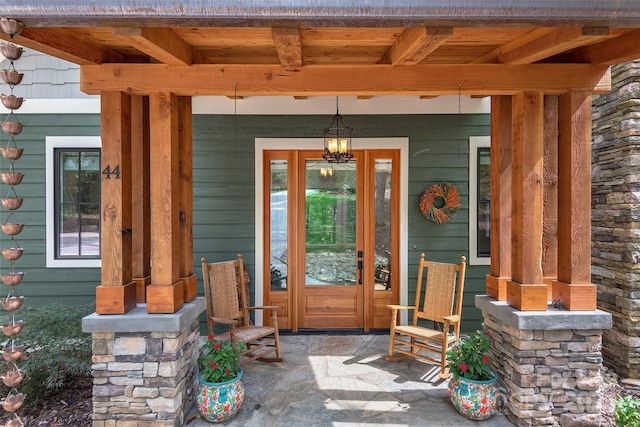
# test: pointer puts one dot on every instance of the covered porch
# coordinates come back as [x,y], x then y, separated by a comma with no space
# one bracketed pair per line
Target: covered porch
[539,64]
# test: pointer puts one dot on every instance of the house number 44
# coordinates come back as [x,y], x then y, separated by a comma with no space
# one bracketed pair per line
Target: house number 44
[108,172]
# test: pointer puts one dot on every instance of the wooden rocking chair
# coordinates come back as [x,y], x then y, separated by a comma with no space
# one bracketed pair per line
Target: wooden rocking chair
[226,291]
[438,301]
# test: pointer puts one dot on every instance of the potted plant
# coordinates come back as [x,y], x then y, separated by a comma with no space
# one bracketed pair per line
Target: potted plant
[220,390]
[472,389]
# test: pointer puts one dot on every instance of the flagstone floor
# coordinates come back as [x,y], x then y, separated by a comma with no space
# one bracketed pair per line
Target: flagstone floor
[343,380]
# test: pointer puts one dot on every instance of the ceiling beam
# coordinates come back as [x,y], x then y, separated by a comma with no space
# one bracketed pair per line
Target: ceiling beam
[65,46]
[415,44]
[551,44]
[288,43]
[363,80]
[609,52]
[491,57]
[162,44]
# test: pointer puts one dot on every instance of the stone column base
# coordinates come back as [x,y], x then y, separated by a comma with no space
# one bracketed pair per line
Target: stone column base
[549,362]
[144,366]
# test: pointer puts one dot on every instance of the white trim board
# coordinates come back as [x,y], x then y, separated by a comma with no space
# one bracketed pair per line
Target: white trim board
[284,105]
[53,142]
[475,142]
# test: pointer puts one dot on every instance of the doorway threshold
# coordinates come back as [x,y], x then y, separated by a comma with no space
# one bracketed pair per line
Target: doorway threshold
[354,331]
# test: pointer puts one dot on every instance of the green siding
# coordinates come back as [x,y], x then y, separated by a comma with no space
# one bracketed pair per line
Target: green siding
[41,285]
[224,186]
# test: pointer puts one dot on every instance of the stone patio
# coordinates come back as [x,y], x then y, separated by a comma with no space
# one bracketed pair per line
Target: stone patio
[343,380]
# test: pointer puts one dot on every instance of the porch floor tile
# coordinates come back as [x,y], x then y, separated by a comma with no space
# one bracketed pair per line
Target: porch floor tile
[343,380]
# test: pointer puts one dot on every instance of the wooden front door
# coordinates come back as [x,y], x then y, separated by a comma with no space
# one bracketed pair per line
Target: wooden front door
[330,286]
[330,238]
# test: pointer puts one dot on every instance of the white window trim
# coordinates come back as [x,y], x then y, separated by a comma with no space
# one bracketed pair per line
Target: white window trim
[475,142]
[53,142]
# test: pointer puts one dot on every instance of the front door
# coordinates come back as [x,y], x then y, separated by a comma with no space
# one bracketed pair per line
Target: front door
[331,238]
[330,286]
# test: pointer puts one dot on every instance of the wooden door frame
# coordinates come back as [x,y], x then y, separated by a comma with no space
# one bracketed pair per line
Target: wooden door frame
[262,144]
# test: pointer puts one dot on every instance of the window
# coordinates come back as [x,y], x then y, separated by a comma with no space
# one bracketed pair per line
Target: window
[73,201]
[479,200]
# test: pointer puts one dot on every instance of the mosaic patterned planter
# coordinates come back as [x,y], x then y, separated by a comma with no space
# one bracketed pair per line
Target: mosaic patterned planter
[476,400]
[218,402]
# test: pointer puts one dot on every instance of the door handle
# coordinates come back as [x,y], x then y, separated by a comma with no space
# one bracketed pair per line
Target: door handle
[360,267]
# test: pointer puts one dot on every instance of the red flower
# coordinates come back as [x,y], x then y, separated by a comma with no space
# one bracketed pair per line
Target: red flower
[216,346]
[227,372]
[485,359]
[487,334]
[210,337]
[213,364]
[463,367]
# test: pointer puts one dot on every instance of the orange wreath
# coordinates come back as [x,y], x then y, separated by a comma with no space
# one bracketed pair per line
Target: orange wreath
[446,195]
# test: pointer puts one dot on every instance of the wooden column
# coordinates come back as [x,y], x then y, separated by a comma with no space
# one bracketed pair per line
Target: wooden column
[117,292]
[550,194]
[189,280]
[165,294]
[573,288]
[500,198]
[141,230]
[526,290]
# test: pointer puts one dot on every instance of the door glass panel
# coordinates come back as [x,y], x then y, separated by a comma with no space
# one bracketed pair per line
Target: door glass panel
[382,235]
[279,224]
[330,223]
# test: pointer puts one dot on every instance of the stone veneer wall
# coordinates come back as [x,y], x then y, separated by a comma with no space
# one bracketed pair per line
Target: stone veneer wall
[549,363]
[615,194]
[145,374]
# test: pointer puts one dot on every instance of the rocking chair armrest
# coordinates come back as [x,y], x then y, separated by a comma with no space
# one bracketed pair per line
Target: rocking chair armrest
[400,307]
[265,307]
[454,318]
[224,321]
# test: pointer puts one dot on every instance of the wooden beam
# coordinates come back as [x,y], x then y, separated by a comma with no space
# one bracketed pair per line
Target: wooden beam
[263,80]
[492,56]
[574,193]
[526,290]
[551,44]
[141,225]
[550,190]
[415,44]
[609,52]
[160,43]
[573,287]
[65,45]
[165,294]
[288,42]
[185,201]
[527,168]
[500,198]
[115,229]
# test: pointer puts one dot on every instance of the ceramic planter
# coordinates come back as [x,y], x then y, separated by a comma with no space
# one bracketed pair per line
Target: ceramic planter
[476,400]
[218,402]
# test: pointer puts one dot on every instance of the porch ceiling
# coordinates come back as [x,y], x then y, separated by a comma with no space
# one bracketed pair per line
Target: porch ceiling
[329,48]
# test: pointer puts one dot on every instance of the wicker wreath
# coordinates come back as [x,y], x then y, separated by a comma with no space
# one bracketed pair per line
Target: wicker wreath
[443,193]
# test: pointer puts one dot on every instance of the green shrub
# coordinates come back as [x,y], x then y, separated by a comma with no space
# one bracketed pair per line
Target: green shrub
[626,412]
[57,349]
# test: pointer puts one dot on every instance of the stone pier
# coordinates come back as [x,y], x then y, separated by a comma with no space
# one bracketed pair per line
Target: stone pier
[615,215]
[549,362]
[144,366]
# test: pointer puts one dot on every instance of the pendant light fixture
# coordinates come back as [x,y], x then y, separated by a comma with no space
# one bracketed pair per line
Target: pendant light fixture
[337,140]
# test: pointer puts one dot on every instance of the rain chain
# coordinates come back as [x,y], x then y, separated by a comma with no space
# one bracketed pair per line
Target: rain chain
[12,351]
